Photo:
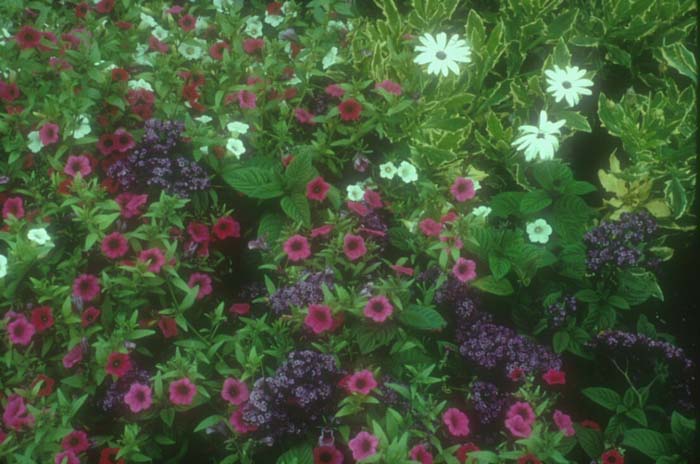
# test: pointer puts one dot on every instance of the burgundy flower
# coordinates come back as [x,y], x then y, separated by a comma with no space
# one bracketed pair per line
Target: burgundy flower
[123,141]
[247,99]
[106,144]
[28,37]
[66,457]
[554,377]
[182,392]
[297,248]
[114,245]
[48,134]
[350,110]
[216,51]
[89,316]
[327,455]
[154,257]
[612,456]
[239,308]
[76,441]
[16,414]
[118,364]
[167,326]
[78,165]
[204,282]
[378,308]
[463,452]
[234,391]
[187,22]
[13,206]
[251,46]
[73,357]
[317,189]
[47,384]
[529,459]
[354,247]
[109,456]
[420,454]
[226,227]
[86,287]
[42,318]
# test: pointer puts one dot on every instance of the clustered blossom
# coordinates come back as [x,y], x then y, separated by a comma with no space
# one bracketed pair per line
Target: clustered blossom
[559,311]
[156,163]
[305,292]
[488,402]
[621,243]
[294,399]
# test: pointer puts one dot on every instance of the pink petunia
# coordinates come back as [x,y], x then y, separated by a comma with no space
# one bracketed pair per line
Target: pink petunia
[123,141]
[13,206]
[462,189]
[235,391]
[373,199]
[354,247]
[131,204]
[318,318]
[66,457]
[564,423]
[114,245]
[378,308]
[420,454]
[523,410]
[358,208]
[139,397]
[321,230]
[199,232]
[73,357]
[252,46]
[297,248]
[76,441]
[239,424]
[78,165]
[154,257]
[327,454]
[204,282]
[86,287]
[20,331]
[16,414]
[350,110]
[389,86]
[42,318]
[430,227]
[361,382]
[226,227]
[247,99]
[182,392]
[118,364]
[554,377]
[89,316]
[518,427]
[334,90]
[464,270]
[363,445]
[304,116]
[317,189]
[49,133]
[457,422]
[239,308]
[402,269]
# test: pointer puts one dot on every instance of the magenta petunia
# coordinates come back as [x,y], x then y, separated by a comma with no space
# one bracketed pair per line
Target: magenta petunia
[182,392]
[564,423]
[239,424]
[317,189]
[239,308]
[523,410]
[16,414]
[154,257]
[76,441]
[123,141]
[297,248]
[131,204]
[235,391]
[139,397]
[13,206]
[389,86]
[334,90]
[204,282]
[42,318]
[304,116]
[378,308]
[373,198]
[89,316]
[226,227]
[66,457]
[114,245]
[554,377]
[77,165]
[430,227]
[321,230]
[86,287]
[319,318]
[518,427]
[167,326]
[327,454]
[49,133]
[28,37]
[350,110]
[462,189]
[20,331]
[73,357]
[464,270]
[421,454]
[457,422]
[361,382]
[354,247]
[199,232]
[247,99]
[363,445]
[118,364]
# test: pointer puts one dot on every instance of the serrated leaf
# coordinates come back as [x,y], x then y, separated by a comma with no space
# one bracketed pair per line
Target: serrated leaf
[649,442]
[490,284]
[296,206]
[422,317]
[253,181]
[590,440]
[534,201]
[499,266]
[576,121]
[605,397]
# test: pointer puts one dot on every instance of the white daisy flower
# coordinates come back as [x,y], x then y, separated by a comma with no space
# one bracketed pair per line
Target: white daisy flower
[442,55]
[387,170]
[236,147]
[34,144]
[539,141]
[539,231]
[83,127]
[39,236]
[481,211]
[236,127]
[331,58]
[355,192]
[3,266]
[253,27]
[407,172]
[568,84]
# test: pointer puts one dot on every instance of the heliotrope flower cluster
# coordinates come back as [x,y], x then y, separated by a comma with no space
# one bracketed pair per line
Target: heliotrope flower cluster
[295,398]
[621,243]
[157,163]
[559,311]
[305,292]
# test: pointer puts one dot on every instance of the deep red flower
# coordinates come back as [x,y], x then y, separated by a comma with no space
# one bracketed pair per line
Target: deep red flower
[304,116]
[327,455]
[216,51]
[109,456]
[123,141]
[554,377]
[239,308]
[46,387]
[42,318]
[317,189]
[297,248]
[28,37]
[106,144]
[226,227]
[8,92]
[114,245]
[89,316]
[86,287]
[529,459]
[430,227]
[187,22]
[251,46]
[354,247]
[13,206]
[589,424]
[118,364]
[198,232]
[157,45]
[76,441]
[358,208]
[463,451]
[120,75]
[350,110]
[274,8]
[204,282]
[81,10]
[612,456]
[104,6]
[167,326]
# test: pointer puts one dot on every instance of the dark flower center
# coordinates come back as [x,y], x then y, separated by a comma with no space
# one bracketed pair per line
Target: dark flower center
[461,187]
[44,318]
[366,446]
[19,330]
[321,316]
[233,391]
[183,389]
[540,135]
[113,244]
[360,383]
[296,246]
[566,84]
[326,456]
[74,441]
[440,55]
[352,245]
[76,166]
[140,396]
[462,268]
[378,307]
[123,139]
[116,363]
[84,285]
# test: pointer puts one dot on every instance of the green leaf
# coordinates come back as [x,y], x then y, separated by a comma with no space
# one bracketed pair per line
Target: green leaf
[302,454]
[637,414]
[270,226]
[591,441]
[618,56]
[300,170]
[254,181]
[683,430]
[605,397]
[681,59]
[561,55]
[506,203]
[208,422]
[579,187]
[649,442]
[422,317]
[534,201]
[561,341]
[618,302]
[676,197]
[587,295]
[499,266]
[490,284]
[575,121]
[476,32]
[637,285]
[552,175]
[296,206]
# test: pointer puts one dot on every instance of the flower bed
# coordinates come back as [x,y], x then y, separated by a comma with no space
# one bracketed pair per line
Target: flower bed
[429,231]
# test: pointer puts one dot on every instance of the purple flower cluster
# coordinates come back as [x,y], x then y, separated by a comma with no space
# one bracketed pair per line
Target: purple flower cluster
[157,163]
[295,398]
[620,243]
[488,402]
[640,350]
[303,293]
[559,311]
[114,396]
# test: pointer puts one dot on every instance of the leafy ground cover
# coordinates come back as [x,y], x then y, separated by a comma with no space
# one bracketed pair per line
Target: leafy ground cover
[429,231]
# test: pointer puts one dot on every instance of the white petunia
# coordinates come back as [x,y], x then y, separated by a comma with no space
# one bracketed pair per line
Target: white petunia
[441,55]
[481,211]
[34,144]
[331,58]
[160,33]
[539,141]
[83,127]
[236,127]
[387,170]
[139,84]
[355,192]
[568,84]
[539,231]
[39,236]
[273,20]
[204,119]
[3,266]
[407,172]
[189,51]
[147,21]
[253,27]
[236,147]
